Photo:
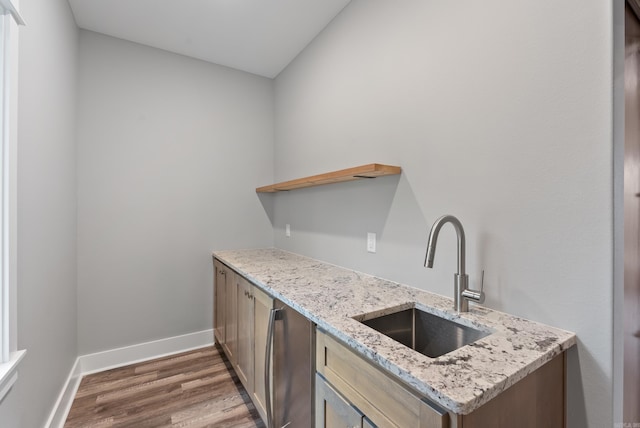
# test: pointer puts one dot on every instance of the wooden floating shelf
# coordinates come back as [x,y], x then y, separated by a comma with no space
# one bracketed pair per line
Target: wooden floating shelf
[372,170]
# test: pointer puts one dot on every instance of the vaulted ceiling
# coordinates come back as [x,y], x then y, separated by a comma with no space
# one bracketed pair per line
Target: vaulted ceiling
[257,36]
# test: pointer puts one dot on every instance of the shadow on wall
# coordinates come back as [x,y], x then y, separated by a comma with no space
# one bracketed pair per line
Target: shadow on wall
[331,223]
[267,201]
[344,209]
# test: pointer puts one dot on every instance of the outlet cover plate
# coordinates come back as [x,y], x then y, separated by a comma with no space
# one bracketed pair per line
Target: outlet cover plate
[371,242]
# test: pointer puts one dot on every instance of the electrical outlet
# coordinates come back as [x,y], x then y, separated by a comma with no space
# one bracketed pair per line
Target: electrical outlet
[371,242]
[287,230]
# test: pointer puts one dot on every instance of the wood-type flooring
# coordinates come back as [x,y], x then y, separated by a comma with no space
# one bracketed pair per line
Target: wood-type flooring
[192,390]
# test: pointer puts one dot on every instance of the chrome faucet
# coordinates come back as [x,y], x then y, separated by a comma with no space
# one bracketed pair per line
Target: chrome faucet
[462,293]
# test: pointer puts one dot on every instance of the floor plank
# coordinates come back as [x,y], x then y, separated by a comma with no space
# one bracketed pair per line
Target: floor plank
[195,389]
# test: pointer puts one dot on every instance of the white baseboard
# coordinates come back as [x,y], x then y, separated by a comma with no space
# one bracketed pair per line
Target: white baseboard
[119,357]
[63,404]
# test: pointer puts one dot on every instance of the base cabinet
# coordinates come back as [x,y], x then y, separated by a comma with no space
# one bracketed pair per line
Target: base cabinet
[241,317]
[348,387]
[219,301]
[245,350]
[230,316]
[225,309]
[253,316]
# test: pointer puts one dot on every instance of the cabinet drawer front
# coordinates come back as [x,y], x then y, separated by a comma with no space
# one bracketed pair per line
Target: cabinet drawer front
[332,410]
[382,399]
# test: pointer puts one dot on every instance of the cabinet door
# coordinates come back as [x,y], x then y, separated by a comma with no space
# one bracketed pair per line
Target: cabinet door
[219,301]
[231,316]
[333,410]
[262,305]
[244,367]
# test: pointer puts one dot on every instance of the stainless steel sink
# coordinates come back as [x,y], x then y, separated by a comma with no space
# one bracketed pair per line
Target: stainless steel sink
[423,332]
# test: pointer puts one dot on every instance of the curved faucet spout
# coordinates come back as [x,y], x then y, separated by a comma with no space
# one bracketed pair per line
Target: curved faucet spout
[433,240]
[462,293]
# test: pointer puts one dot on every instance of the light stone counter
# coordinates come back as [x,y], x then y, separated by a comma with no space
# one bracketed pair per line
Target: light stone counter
[460,381]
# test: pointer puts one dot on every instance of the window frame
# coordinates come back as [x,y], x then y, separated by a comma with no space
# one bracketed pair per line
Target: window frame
[10,357]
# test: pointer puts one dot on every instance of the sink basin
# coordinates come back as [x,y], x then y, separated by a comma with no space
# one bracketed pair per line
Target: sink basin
[423,332]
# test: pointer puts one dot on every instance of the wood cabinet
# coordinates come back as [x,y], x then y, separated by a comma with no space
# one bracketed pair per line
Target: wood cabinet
[219,300]
[224,309]
[262,304]
[537,401]
[245,349]
[253,317]
[383,400]
[241,316]
[231,316]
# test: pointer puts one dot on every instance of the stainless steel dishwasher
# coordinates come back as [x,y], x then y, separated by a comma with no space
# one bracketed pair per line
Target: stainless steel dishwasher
[290,386]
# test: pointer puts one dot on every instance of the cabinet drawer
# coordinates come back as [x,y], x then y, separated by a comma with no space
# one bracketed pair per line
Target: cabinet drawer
[332,410]
[382,399]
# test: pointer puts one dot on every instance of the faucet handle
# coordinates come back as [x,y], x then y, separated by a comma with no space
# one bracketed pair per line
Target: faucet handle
[475,295]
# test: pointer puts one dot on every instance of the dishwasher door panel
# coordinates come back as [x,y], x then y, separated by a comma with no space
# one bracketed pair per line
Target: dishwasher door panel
[293,369]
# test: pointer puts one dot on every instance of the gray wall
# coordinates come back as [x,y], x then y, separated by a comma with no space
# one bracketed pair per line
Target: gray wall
[507,126]
[499,113]
[10,408]
[170,151]
[46,206]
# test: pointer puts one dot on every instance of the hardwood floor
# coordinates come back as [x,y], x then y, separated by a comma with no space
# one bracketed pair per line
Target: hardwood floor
[194,389]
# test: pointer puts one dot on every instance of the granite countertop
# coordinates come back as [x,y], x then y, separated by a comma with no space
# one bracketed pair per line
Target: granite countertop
[460,381]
